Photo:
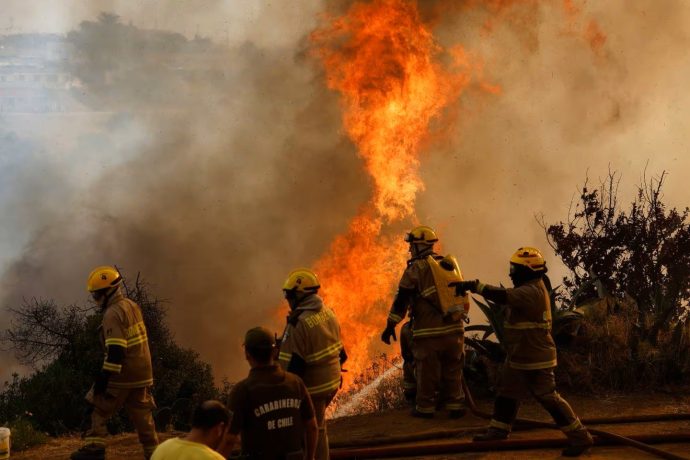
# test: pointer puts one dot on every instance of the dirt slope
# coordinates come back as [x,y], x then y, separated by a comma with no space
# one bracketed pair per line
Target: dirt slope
[380,427]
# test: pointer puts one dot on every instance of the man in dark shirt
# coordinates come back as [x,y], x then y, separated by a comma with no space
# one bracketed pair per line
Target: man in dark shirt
[271,408]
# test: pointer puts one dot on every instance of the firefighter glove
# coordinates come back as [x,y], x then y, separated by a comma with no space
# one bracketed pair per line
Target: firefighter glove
[388,332]
[461,287]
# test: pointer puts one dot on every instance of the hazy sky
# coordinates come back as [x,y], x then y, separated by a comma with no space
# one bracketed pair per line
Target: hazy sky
[192,184]
[221,20]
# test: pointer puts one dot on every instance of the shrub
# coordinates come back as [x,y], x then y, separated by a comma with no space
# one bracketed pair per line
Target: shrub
[629,281]
[63,345]
[24,435]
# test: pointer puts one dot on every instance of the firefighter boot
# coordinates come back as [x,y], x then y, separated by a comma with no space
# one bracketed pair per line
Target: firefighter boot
[505,412]
[410,397]
[492,434]
[89,452]
[574,451]
[580,442]
[456,413]
[419,414]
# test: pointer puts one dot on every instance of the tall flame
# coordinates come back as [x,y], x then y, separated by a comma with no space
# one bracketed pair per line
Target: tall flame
[383,61]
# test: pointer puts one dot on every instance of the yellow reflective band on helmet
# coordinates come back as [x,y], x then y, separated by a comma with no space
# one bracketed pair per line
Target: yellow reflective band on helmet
[329,386]
[533,366]
[112,367]
[576,425]
[395,318]
[422,234]
[302,280]
[94,440]
[102,278]
[529,257]
[433,331]
[328,351]
[282,356]
[527,325]
[117,342]
[454,406]
[409,385]
[500,425]
[480,287]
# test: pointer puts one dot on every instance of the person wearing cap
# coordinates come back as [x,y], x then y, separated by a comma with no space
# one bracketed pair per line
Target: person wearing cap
[311,346]
[271,409]
[126,376]
[209,423]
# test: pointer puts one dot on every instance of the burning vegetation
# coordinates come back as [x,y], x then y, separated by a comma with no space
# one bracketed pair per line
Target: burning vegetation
[620,316]
[385,64]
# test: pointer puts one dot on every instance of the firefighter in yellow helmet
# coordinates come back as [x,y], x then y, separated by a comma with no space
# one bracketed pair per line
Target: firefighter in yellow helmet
[311,346]
[437,333]
[126,375]
[531,351]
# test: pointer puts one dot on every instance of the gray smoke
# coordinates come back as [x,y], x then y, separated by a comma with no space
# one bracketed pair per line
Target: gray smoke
[217,189]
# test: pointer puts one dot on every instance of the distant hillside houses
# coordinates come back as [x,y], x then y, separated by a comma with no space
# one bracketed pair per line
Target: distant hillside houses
[33,76]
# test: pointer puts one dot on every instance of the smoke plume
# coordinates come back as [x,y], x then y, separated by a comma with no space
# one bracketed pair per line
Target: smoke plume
[215,188]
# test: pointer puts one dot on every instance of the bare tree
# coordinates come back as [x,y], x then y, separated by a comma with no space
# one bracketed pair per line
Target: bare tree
[41,331]
[643,251]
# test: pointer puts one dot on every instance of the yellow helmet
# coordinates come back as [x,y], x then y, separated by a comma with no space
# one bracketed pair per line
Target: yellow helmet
[530,258]
[302,280]
[422,234]
[103,277]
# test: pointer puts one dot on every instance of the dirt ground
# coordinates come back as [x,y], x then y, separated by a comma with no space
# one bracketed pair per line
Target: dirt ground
[380,427]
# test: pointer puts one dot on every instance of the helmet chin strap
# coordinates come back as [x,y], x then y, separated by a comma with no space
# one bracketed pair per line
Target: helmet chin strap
[294,298]
[419,248]
[520,275]
[108,295]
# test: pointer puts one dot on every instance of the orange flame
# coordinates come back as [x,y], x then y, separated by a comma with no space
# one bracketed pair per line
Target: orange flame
[382,59]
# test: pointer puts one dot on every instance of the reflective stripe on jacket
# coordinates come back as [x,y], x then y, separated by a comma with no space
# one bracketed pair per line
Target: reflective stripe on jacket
[527,330]
[428,319]
[123,325]
[315,338]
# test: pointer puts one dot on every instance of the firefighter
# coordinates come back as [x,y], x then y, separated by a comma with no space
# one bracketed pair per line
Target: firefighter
[311,346]
[272,412]
[407,353]
[437,332]
[531,352]
[126,376]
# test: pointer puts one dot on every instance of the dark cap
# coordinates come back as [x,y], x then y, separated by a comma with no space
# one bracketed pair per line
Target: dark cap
[259,337]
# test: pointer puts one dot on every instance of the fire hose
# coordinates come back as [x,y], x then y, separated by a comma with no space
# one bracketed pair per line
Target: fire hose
[641,442]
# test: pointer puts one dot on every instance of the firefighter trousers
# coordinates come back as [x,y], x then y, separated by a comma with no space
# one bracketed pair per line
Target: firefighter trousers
[321,402]
[409,378]
[138,402]
[515,384]
[439,362]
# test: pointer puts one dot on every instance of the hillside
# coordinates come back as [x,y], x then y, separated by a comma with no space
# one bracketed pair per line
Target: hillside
[382,428]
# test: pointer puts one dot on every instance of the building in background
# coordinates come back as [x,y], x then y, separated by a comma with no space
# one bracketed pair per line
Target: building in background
[33,76]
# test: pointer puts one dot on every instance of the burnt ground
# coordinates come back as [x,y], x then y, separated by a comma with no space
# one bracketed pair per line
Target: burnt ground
[397,425]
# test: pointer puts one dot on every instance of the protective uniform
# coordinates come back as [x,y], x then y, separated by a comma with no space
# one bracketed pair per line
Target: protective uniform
[407,353]
[531,351]
[126,375]
[311,347]
[438,340]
